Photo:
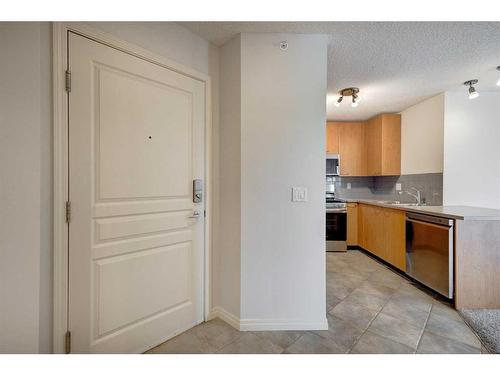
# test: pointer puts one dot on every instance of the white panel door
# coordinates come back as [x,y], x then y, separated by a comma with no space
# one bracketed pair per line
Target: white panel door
[136,143]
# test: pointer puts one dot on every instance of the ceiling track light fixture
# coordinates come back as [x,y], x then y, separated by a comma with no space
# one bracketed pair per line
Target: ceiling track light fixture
[350,91]
[472,91]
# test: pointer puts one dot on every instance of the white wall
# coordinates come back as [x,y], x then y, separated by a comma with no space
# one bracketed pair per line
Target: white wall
[283,112]
[46,190]
[23,119]
[228,247]
[214,73]
[26,164]
[471,150]
[422,129]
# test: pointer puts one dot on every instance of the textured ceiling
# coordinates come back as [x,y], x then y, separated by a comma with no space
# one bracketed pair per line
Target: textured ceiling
[395,64]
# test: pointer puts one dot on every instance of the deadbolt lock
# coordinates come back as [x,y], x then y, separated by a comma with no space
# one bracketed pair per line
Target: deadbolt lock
[197,191]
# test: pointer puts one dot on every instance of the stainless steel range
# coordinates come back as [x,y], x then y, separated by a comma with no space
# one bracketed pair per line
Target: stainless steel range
[336,223]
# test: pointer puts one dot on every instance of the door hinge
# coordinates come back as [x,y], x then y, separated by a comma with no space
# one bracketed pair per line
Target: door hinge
[68,81]
[68,211]
[67,342]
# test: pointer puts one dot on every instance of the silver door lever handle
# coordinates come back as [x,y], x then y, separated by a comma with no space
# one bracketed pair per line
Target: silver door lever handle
[195,215]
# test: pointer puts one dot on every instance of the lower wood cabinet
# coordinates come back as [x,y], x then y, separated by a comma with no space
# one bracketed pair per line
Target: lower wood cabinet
[370,227]
[395,243]
[352,224]
[381,231]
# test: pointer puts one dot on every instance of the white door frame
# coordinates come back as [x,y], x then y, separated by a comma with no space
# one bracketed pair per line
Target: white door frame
[61,162]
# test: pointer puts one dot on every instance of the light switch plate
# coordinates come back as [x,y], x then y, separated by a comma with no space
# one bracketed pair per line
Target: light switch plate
[398,187]
[299,194]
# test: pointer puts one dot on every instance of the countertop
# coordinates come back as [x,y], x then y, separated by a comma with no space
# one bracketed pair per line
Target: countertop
[451,212]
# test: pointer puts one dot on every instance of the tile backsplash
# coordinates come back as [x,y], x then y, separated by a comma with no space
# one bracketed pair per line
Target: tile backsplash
[384,187]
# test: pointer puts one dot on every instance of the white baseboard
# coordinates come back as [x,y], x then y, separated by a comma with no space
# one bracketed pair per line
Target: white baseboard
[219,312]
[282,325]
[267,324]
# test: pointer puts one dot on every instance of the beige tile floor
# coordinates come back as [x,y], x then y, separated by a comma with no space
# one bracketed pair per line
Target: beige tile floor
[370,309]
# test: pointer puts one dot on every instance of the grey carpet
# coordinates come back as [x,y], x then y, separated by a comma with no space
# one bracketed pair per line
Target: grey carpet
[486,323]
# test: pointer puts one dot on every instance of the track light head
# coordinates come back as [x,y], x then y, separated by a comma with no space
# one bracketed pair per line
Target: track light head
[472,91]
[355,100]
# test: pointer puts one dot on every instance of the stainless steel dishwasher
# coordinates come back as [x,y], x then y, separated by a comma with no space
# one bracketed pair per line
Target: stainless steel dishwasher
[429,251]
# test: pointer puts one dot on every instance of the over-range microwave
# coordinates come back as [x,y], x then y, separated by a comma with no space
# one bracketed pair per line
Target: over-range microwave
[332,164]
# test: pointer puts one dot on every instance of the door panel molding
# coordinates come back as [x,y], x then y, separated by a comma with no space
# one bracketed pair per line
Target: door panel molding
[60,32]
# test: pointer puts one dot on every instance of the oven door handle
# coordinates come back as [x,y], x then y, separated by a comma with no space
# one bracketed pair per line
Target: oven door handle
[336,211]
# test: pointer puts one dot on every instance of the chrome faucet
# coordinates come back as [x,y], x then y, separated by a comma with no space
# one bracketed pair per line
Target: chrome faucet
[417,195]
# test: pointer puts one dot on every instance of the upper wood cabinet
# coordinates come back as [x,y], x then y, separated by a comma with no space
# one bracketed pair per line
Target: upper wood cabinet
[369,148]
[352,149]
[332,137]
[347,139]
[383,145]
[373,144]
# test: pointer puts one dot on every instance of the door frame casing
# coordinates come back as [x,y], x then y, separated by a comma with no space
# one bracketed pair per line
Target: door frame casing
[60,32]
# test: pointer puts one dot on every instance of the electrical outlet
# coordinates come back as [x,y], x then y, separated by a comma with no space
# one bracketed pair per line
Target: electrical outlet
[398,187]
[299,194]
[348,186]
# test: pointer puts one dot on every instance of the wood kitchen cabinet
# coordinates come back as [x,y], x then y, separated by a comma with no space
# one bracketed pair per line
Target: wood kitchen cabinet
[348,140]
[394,225]
[332,137]
[373,145]
[352,149]
[370,234]
[352,224]
[383,145]
[366,226]
[368,148]
[381,231]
